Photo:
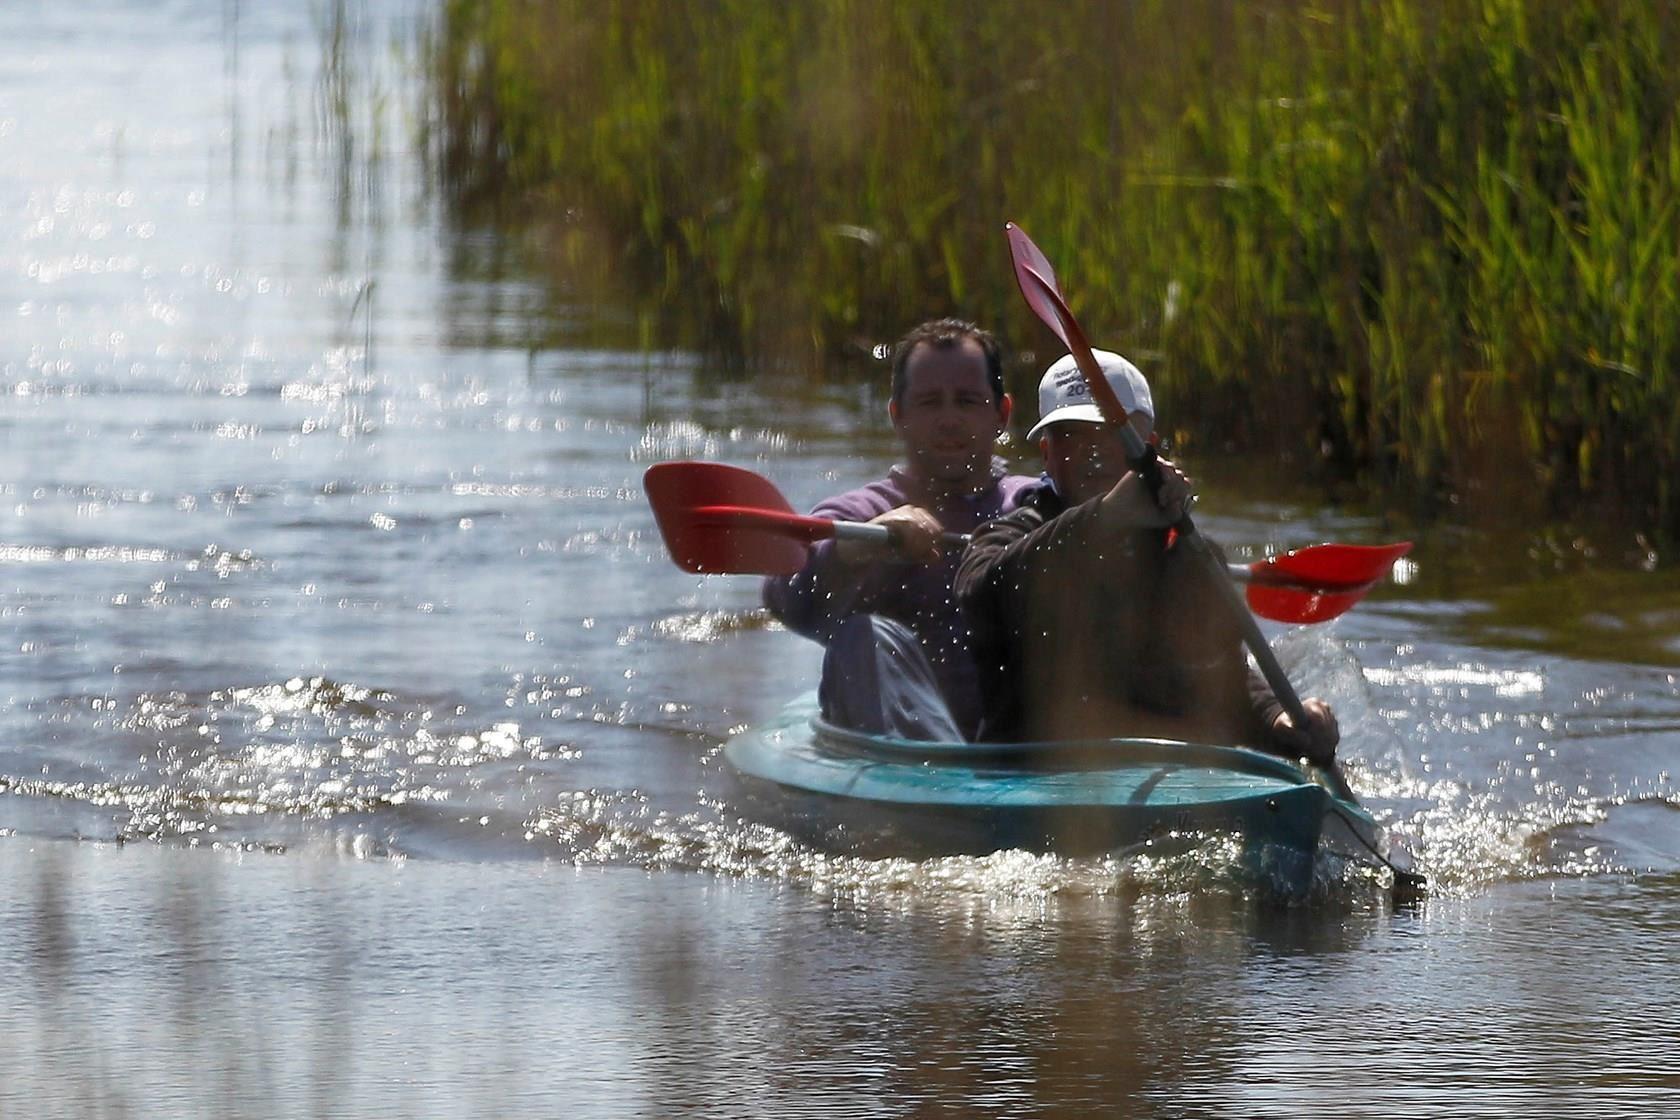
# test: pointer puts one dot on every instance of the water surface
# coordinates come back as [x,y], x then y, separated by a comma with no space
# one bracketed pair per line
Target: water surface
[360,748]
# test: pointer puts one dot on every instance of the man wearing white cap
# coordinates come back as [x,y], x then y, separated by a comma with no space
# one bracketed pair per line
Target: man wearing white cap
[1088,619]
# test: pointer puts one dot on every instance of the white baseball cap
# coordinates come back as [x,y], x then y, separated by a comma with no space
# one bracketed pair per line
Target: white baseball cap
[1063,394]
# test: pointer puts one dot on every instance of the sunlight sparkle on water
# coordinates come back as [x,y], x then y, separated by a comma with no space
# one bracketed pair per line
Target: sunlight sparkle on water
[1503,682]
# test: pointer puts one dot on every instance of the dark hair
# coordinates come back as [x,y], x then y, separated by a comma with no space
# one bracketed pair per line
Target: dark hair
[945,334]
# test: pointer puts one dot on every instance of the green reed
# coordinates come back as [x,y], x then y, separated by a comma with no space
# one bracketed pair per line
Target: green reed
[1428,246]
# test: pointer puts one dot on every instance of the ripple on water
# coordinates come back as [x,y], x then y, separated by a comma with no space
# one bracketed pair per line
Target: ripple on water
[617,829]
[250,764]
[704,627]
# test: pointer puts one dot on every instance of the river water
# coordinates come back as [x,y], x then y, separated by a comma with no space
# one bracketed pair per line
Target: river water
[360,747]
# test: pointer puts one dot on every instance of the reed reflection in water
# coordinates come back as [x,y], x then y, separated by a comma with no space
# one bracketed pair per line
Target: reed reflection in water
[254,985]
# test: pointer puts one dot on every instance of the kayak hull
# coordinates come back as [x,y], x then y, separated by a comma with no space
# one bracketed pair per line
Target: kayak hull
[872,795]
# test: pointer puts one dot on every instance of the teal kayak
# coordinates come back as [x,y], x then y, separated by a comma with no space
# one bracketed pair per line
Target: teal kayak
[876,795]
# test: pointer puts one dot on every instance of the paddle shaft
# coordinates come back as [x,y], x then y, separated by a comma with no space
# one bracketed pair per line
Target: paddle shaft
[809,528]
[884,536]
[719,519]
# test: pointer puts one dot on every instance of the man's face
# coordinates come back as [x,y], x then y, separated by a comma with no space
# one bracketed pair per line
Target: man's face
[1085,460]
[948,416]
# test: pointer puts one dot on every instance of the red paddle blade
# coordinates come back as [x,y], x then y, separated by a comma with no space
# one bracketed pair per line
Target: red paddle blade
[1331,566]
[1320,582]
[1038,287]
[721,519]
[1293,604]
[1037,281]
[1026,254]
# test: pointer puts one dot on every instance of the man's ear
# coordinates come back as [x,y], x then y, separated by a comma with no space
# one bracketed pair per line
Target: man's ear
[892,411]
[1005,407]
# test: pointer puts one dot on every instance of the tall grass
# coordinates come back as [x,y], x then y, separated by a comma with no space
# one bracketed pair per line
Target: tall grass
[1428,246]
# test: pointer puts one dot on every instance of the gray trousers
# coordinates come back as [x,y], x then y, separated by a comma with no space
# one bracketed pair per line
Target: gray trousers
[876,678]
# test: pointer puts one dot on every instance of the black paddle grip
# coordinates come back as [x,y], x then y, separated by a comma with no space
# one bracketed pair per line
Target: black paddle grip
[1148,466]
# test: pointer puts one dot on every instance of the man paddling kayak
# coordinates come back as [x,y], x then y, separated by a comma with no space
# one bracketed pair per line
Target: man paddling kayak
[1087,620]
[897,659]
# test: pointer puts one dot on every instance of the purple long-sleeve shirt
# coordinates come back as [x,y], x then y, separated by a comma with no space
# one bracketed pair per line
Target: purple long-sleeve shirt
[825,593]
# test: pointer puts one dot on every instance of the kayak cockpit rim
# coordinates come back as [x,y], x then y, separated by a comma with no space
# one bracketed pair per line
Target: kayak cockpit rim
[1088,752]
